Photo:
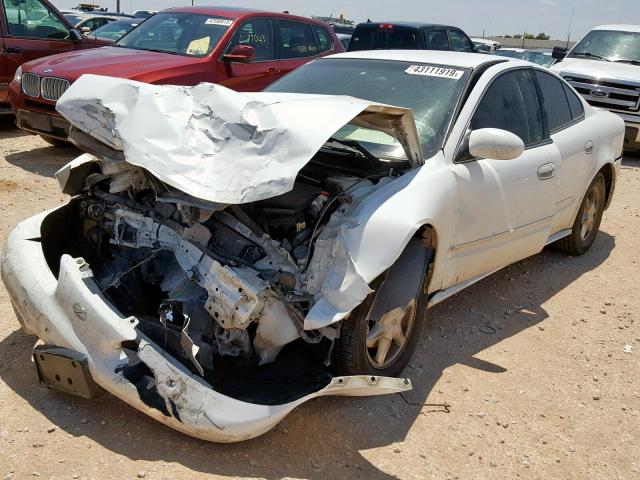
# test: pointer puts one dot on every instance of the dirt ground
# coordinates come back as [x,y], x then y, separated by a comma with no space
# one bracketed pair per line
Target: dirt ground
[532,373]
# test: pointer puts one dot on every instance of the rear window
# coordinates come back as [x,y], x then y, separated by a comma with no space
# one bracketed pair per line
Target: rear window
[384,37]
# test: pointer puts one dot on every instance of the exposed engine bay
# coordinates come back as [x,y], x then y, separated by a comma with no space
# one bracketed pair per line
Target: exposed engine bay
[224,288]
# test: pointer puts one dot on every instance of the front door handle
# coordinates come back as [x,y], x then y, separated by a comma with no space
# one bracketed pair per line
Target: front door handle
[588,147]
[273,71]
[546,171]
[13,50]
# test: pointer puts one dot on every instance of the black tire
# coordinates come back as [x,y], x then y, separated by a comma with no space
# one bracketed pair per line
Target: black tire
[56,142]
[577,242]
[350,351]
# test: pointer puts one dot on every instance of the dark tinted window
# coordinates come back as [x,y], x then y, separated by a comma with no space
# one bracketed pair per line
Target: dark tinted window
[33,19]
[554,101]
[256,33]
[511,103]
[384,37]
[437,40]
[324,40]
[460,42]
[297,39]
[577,109]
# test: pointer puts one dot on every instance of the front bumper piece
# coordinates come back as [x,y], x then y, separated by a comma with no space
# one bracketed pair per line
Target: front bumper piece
[70,312]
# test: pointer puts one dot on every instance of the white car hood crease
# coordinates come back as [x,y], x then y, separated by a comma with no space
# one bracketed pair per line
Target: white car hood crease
[217,144]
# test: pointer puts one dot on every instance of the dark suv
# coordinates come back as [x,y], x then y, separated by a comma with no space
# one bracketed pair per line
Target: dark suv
[409,36]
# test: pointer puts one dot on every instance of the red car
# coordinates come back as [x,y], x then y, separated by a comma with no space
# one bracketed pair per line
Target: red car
[245,50]
[30,30]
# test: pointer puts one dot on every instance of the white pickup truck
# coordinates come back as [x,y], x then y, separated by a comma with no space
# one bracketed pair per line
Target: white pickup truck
[604,67]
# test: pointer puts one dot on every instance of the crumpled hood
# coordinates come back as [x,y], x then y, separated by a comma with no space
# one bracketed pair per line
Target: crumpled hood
[598,69]
[217,144]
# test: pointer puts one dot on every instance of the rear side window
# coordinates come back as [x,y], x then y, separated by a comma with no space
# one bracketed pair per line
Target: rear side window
[511,103]
[577,109]
[297,39]
[437,40]
[554,101]
[460,42]
[384,37]
[324,40]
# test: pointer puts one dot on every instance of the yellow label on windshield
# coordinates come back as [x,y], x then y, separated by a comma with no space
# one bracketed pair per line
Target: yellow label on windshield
[199,46]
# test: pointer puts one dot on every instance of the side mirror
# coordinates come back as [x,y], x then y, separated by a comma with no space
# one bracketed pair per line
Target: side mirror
[240,54]
[75,35]
[559,53]
[495,144]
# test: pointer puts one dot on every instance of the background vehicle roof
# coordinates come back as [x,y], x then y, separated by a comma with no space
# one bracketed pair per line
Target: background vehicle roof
[238,12]
[407,24]
[455,59]
[619,28]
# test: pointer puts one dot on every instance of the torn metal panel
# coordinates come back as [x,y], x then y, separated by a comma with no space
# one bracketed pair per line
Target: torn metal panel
[217,144]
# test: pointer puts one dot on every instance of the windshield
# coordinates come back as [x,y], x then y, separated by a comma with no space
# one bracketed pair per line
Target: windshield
[431,91]
[509,53]
[188,34]
[74,19]
[384,37]
[540,58]
[115,30]
[608,45]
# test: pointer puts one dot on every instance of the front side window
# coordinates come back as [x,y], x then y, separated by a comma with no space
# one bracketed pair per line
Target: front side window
[432,92]
[297,40]
[187,34]
[33,19]
[437,40]
[554,101]
[609,45]
[511,103]
[324,40]
[256,33]
[460,42]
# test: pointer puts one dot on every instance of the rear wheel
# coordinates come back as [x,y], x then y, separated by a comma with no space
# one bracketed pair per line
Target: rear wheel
[382,347]
[56,142]
[587,222]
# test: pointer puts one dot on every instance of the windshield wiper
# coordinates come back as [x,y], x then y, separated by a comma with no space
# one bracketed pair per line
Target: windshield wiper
[624,60]
[354,145]
[591,55]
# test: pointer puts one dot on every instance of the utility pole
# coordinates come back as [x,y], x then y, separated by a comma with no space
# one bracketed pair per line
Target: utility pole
[117,6]
[573,9]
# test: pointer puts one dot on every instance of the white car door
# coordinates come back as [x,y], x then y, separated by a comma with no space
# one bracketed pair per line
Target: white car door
[505,207]
[576,139]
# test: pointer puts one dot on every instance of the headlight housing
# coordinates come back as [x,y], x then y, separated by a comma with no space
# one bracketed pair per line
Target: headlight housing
[18,76]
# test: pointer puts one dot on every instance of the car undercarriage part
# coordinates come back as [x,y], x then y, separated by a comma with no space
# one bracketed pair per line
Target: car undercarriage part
[224,288]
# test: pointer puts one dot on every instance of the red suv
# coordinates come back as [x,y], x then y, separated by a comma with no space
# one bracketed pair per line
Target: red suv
[33,29]
[245,50]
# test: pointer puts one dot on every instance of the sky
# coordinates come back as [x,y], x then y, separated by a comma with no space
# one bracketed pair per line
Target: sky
[493,17]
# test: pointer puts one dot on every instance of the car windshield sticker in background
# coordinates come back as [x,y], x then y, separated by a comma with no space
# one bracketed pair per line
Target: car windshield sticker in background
[432,71]
[218,21]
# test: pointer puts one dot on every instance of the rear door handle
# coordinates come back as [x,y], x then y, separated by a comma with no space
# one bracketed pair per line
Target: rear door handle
[13,50]
[588,147]
[546,171]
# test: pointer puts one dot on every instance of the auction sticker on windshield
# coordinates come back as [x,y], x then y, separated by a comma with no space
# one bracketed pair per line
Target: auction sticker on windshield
[218,21]
[433,71]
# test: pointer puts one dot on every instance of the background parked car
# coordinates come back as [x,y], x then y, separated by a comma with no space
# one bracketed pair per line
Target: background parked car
[484,45]
[113,31]
[344,39]
[409,36]
[244,50]
[31,33]
[540,56]
[510,52]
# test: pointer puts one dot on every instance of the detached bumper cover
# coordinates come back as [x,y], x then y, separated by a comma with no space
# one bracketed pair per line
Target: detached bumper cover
[71,312]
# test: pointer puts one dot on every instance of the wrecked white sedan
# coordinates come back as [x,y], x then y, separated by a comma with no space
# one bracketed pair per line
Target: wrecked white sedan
[227,256]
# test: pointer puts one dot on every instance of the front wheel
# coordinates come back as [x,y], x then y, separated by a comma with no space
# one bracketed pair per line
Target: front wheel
[587,222]
[382,347]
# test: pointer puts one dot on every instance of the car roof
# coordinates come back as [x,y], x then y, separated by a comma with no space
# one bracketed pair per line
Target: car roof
[455,59]
[407,24]
[619,28]
[239,12]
